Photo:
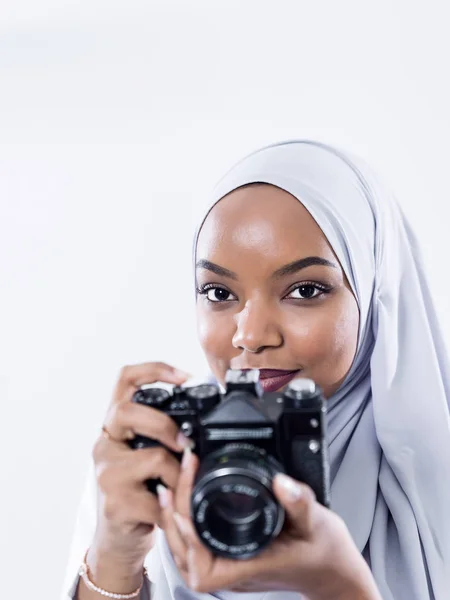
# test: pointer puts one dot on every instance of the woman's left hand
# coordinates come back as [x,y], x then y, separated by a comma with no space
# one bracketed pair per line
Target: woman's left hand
[314,554]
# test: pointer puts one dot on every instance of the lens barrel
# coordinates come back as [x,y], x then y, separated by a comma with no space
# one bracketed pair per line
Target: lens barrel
[234,509]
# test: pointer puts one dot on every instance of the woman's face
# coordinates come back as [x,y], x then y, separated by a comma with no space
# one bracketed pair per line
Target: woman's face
[264,301]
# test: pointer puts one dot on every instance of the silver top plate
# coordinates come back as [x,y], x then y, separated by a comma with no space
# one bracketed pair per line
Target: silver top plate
[238,376]
[303,386]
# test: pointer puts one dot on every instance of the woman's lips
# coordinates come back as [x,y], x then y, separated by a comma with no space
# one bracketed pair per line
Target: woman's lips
[274,379]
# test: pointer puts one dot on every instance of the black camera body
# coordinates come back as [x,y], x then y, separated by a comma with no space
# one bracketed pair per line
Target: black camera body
[243,437]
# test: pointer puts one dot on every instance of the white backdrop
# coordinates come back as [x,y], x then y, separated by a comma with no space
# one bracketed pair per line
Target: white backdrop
[116,118]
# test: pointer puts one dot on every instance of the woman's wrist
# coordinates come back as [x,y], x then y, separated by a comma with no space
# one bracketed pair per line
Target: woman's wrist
[360,585]
[352,582]
[361,591]
[112,573]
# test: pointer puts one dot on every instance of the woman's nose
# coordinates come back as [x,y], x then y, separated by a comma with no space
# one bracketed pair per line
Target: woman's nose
[256,329]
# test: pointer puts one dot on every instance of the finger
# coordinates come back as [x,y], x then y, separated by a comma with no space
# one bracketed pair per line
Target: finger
[151,463]
[198,558]
[182,506]
[298,500]
[130,473]
[173,536]
[134,376]
[108,450]
[126,417]
[206,572]
[183,492]
[128,508]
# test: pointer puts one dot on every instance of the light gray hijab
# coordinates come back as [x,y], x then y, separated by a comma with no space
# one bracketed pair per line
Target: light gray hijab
[388,424]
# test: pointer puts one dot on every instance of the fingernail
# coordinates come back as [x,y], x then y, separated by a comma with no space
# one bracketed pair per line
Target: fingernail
[177,560]
[193,577]
[292,488]
[163,496]
[187,455]
[181,523]
[181,374]
[184,442]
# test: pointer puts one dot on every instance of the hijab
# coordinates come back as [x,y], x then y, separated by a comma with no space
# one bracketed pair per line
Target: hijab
[388,423]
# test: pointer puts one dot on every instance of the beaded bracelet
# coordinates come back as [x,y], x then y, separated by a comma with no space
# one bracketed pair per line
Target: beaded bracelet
[84,573]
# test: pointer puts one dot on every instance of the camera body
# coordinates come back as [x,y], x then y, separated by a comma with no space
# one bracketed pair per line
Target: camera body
[243,437]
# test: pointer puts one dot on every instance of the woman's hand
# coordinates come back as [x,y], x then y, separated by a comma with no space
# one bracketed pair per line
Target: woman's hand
[313,555]
[127,511]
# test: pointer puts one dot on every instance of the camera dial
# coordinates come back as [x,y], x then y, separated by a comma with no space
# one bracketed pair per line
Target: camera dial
[154,397]
[302,393]
[204,397]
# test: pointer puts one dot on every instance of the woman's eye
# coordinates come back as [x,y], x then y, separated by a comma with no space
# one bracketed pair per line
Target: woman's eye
[217,294]
[306,292]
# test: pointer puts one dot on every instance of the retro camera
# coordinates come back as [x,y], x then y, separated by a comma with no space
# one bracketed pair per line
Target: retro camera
[243,437]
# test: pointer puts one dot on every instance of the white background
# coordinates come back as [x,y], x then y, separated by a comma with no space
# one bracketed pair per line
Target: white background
[116,118]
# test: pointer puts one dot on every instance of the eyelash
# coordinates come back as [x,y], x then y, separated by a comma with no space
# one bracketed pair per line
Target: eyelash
[203,290]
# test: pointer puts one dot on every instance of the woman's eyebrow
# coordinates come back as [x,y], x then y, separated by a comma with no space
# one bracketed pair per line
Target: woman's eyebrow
[288,269]
[303,263]
[217,269]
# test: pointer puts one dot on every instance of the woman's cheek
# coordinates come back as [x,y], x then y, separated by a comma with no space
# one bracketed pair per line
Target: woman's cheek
[215,333]
[345,333]
[326,347]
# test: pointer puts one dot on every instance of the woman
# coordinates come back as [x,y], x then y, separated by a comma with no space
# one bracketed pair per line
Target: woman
[306,266]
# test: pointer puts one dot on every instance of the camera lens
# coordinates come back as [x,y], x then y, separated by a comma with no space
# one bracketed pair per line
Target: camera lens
[234,509]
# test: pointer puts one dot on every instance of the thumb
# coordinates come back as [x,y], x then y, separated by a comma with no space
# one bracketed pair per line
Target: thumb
[298,501]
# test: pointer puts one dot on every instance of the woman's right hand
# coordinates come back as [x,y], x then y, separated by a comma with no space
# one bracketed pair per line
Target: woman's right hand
[127,511]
